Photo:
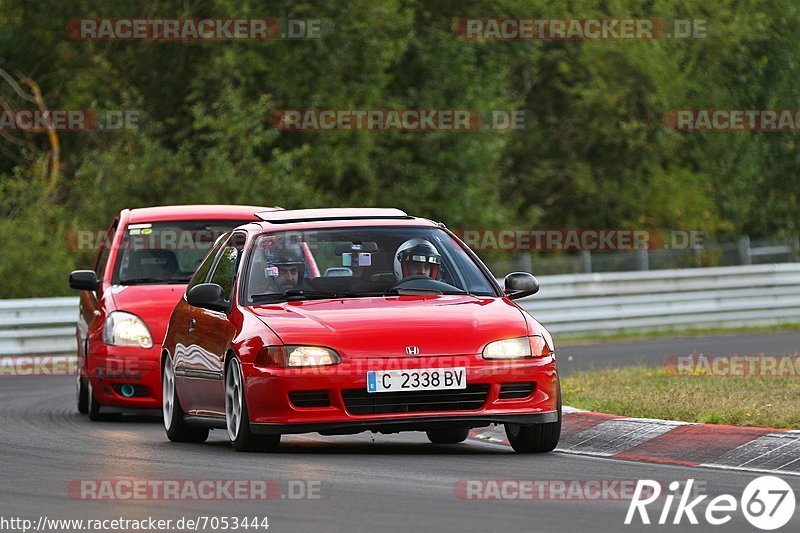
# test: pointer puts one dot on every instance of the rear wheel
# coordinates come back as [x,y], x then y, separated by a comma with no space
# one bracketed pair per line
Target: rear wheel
[536,438]
[82,396]
[177,428]
[447,435]
[237,419]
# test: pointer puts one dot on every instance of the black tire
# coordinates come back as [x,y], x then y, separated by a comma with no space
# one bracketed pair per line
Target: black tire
[176,427]
[447,435]
[94,406]
[536,438]
[237,419]
[82,396]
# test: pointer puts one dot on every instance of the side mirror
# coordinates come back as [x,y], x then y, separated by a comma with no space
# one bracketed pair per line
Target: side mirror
[520,284]
[84,280]
[207,296]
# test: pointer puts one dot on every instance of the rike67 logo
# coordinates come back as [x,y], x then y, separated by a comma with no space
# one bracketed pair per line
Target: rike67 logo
[767,502]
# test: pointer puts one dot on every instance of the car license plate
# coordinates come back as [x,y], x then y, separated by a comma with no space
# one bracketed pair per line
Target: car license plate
[419,379]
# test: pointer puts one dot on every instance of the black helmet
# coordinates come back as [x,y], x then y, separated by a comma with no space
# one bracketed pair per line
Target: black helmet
[275,257]
[423,252]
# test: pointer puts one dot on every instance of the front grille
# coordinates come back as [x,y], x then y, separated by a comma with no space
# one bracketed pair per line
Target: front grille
[310,398]
[361,402]
[510,391]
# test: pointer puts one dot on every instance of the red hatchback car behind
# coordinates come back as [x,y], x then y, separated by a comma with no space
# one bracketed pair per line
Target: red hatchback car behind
[339,321]
[141,271]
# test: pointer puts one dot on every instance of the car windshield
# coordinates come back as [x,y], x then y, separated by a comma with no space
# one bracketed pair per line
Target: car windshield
[167,252]
[360,261]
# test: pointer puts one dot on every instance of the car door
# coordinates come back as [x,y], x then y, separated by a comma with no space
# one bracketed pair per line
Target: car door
[183,325]
[89,306]
[212,333]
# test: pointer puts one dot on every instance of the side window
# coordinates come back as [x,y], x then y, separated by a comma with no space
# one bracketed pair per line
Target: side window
[202,271]
[224,273]
[105,250]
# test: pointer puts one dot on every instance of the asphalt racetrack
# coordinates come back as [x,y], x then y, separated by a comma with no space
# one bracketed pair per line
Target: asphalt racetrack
[656,351]
[360,483]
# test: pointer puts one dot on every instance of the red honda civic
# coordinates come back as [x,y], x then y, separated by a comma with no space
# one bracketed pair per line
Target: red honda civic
[144,262]
[339,321]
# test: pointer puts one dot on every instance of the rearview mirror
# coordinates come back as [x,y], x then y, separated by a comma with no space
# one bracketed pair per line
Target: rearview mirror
[520,285]
[84,280]
[357,247]
[207,296]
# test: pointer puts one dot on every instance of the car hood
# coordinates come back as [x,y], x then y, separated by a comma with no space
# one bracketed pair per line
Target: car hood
[385,326]
[151,303]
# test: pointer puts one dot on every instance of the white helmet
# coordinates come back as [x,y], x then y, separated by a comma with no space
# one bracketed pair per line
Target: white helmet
[425,247]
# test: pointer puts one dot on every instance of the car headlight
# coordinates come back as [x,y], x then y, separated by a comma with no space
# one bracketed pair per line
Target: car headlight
[297,356]
[311,356]
[125,329]
[533,346]
[507,349]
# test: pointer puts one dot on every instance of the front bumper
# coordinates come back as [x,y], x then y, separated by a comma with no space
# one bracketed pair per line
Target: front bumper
[396,425]
[125,376]
[272,411]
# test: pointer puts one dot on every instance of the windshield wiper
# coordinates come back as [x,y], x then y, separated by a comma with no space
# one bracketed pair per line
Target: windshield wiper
[293,294]
[299,294]
[364,294]
[401,291]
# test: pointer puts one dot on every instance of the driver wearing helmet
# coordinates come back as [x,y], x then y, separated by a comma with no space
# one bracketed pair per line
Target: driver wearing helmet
[284,267]
[418,257]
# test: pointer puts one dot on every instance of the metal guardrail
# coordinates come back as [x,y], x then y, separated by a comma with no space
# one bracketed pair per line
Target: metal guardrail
[668,299]
[38,326]
[581,303]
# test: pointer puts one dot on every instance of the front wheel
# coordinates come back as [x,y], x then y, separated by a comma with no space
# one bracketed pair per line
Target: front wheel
[94,406]
[536,438]
[237,419]
[82,396]
[177,428]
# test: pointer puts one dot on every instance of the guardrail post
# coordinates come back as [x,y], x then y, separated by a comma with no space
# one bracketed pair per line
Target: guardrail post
[744,251]
[586,261]
[526,264]
[642,259]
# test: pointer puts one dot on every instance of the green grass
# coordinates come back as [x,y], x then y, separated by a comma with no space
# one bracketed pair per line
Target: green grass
[595,338]
[652,392]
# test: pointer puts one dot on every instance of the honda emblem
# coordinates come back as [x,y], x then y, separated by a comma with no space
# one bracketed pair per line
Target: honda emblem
[412,350]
